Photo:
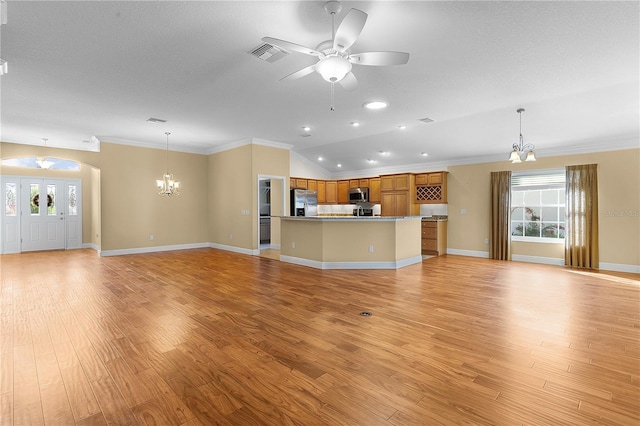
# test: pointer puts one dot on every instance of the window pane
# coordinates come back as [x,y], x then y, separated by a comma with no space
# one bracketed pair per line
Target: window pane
[532,213]
[517,198]
[517,213]
[517,229]
[532,229]
[73,202]
[550,214]
[549,230]
[35,199]
[550,197]
[532,198]
[561,230]
[10,199]
[51,200]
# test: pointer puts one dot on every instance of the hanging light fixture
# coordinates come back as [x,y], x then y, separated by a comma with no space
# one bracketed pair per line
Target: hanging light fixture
[168,186]
[520,148]
[43,162]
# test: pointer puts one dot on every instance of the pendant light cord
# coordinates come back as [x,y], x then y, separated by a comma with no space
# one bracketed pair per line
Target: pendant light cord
[167,133]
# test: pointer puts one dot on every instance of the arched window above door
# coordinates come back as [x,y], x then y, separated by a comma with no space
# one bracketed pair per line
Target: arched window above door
[48,163]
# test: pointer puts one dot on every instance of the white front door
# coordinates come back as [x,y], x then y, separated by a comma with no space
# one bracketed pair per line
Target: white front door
[43,215]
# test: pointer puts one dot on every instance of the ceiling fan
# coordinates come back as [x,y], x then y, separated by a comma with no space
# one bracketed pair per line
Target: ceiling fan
[334,57]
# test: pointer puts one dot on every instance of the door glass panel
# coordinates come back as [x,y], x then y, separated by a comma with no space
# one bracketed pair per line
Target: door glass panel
[10,199]
[35,199]
[73,201]
[51,200]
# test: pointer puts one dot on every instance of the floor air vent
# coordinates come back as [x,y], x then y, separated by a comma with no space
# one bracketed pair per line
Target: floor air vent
[268,52]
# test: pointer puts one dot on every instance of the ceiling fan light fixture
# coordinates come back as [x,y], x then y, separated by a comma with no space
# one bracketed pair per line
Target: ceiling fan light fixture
[333,68]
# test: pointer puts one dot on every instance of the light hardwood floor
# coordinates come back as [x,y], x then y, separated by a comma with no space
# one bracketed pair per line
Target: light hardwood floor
[213,337]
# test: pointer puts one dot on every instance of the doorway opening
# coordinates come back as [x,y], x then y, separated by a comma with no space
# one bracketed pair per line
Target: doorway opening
[271,205]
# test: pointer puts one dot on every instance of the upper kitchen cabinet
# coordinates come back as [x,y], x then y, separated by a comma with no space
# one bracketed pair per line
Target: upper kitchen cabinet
[374,190]
[431,188]
[331,192]
[322,192]
[298,183]
[396,182]
[396,195]
[312,185]
[343,192]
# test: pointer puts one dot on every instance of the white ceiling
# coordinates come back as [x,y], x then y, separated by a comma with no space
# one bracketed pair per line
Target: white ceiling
[83,69]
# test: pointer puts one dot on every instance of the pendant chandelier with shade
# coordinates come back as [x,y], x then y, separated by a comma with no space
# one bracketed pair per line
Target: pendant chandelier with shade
[521,149]
[168,186]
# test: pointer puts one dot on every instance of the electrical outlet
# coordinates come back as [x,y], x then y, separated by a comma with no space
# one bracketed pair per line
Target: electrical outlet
[463,211]
[371,249]
[151,237]
[486,241]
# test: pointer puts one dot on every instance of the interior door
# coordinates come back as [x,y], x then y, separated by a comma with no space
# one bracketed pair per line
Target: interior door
[43,214]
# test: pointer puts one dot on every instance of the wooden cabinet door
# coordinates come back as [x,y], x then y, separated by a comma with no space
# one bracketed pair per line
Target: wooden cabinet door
[343,192]
[402,203]
[354,183]
[364,183]
[386,183]
[292,183]
[322,192]
[434,178]
[388,204]
[401,182]
[422,179]
[301,183]
[331,192]
[374,190]
[312,185]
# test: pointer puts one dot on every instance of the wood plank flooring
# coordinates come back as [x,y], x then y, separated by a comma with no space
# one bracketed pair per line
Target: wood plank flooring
[204,337]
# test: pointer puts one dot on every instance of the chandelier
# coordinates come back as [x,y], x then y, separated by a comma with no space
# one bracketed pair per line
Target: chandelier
[520,148]
[168,186]
[43,162]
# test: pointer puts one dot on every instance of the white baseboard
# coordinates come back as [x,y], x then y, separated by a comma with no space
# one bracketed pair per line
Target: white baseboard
[140,250]
[471,253]
[91,246]
[351,265]
[618,267]
[241,250]
[538,259]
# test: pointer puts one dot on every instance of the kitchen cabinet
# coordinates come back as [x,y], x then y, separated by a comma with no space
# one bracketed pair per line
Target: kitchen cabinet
[396,198]
[364,183]
[298,183]
[331,192]
[343,192]
[354,183]
[374,190]
[322,192]
[312,185]
[434,237]
[431,188]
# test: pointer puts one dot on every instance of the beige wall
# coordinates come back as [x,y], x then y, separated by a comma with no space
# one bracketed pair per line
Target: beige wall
[618,180]
[233,187]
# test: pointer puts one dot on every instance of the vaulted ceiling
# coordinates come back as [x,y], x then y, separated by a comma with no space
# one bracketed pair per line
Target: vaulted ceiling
[102,68]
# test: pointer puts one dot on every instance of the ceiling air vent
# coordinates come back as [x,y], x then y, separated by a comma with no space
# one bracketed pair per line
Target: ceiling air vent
[268,52]
[156,120]
[426,120]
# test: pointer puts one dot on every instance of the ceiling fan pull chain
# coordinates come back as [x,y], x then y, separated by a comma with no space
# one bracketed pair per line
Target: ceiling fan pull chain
[333,108]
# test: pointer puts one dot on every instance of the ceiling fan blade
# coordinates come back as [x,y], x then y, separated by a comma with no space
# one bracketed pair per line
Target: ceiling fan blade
[379,58]
[349,29]
[287,45]
[300,73]
[349,82]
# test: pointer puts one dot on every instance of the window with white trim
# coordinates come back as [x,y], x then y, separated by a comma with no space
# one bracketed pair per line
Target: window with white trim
[538,206]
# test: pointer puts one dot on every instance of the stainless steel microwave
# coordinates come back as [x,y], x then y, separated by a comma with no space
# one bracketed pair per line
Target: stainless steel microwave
[358,195]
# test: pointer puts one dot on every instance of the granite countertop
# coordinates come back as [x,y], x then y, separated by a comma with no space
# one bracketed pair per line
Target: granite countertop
[350,218]
[435,218]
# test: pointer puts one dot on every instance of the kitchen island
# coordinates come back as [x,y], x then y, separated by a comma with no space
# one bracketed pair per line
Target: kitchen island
[350,242]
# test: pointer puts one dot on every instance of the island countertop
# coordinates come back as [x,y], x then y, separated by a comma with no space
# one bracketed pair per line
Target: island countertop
[351,218]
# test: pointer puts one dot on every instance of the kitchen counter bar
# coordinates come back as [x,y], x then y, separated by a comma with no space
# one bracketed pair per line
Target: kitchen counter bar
[351,242]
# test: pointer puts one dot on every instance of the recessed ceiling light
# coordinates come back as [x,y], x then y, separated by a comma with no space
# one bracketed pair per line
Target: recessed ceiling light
[375,105]
[306,128]
[320,158]
[372,161]
[402,127]
[424,154]
[385,153]
[338,165]
[355,124]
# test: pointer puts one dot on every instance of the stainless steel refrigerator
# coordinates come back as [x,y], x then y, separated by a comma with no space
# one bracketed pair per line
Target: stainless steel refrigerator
[304,202]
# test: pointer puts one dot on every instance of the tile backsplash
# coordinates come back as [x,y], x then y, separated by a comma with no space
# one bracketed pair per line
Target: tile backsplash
[347,209]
